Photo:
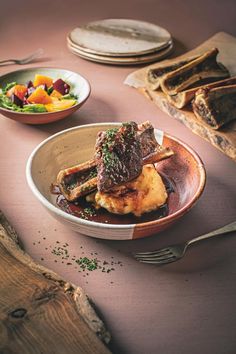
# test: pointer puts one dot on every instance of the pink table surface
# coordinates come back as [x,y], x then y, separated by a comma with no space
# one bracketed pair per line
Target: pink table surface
[185,307]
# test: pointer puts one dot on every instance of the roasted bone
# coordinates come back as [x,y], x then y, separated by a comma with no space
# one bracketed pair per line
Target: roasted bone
[156,73]
[181,99]
[78,180]
[73,187]
[202,68]
[216,106]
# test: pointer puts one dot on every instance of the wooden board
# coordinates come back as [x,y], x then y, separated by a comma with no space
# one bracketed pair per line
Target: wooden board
[39,311]
[223,139]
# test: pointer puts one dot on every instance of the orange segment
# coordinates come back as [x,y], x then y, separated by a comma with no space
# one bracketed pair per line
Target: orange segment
[39,96]
[20,91]
[60,105]
[10,91]
[42,80]
[56,94]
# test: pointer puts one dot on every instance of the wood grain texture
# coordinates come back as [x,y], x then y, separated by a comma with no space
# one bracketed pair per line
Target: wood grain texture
[39,311]
[223,139]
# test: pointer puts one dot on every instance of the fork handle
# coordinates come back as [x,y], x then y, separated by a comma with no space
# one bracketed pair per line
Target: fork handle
[223,230]
[8,61]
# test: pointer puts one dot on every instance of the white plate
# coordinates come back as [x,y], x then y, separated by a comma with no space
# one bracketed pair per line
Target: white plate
[144,59]
[120,37]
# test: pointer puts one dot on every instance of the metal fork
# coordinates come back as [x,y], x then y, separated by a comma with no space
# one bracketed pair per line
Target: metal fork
[25,60]
[176,252]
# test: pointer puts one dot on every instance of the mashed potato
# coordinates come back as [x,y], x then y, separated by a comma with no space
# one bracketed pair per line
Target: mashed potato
[145,193]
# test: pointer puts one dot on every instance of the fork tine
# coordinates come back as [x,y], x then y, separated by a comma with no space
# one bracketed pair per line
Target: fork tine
[154,258]
[163,250]
[31,57]
[159,262]
[25,60]
[154,255]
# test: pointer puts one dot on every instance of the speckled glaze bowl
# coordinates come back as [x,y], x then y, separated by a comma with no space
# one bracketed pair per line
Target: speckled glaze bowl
[79,86]
[185,170]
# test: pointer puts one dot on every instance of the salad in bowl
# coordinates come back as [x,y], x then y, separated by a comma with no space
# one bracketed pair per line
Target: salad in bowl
[42,95]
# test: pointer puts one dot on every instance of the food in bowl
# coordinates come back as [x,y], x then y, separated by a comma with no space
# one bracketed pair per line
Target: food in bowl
[183,175]
[40,95]
[144,194]
[121,179]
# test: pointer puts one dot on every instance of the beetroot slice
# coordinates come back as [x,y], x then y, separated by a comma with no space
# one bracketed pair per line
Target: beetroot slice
[61,86]
[15,99]
[30,90]
[30,84]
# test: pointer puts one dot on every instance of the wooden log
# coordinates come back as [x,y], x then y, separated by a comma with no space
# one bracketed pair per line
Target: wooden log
[39,311]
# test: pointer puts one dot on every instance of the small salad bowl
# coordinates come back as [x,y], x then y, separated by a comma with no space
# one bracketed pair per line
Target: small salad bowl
[184,170]
[79,89]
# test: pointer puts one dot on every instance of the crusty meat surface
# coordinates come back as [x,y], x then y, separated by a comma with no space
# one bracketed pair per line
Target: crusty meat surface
[118,155]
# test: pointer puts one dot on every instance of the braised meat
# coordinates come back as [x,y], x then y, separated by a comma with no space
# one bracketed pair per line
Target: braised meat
[146,136]
[118,155]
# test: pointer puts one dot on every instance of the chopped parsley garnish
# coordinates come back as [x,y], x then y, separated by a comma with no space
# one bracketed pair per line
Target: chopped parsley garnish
[93,174]
[108,156]
[86,263]
[89,211]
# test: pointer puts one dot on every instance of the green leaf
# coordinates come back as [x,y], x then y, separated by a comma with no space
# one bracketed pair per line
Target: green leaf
[34,108]
[8,87]
[69,96]
[5,102]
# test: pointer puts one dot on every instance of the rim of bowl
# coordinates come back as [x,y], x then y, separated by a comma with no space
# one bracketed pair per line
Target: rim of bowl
[72,218]
[51,68]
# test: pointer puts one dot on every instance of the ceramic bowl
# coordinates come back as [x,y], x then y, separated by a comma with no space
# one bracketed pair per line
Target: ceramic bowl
[185,170]
[79,86]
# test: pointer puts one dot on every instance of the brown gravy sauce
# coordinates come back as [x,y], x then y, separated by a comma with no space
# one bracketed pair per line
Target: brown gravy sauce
[86,210]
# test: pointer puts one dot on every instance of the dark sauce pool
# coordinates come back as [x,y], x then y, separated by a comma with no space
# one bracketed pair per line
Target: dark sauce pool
[86,211]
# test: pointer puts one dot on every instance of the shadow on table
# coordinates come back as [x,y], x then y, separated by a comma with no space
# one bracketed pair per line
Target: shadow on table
[116,349]
[85,115]
[205,255]
[206,216]
[179,48]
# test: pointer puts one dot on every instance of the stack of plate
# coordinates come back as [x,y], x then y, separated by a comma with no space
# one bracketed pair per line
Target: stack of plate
[120,41]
